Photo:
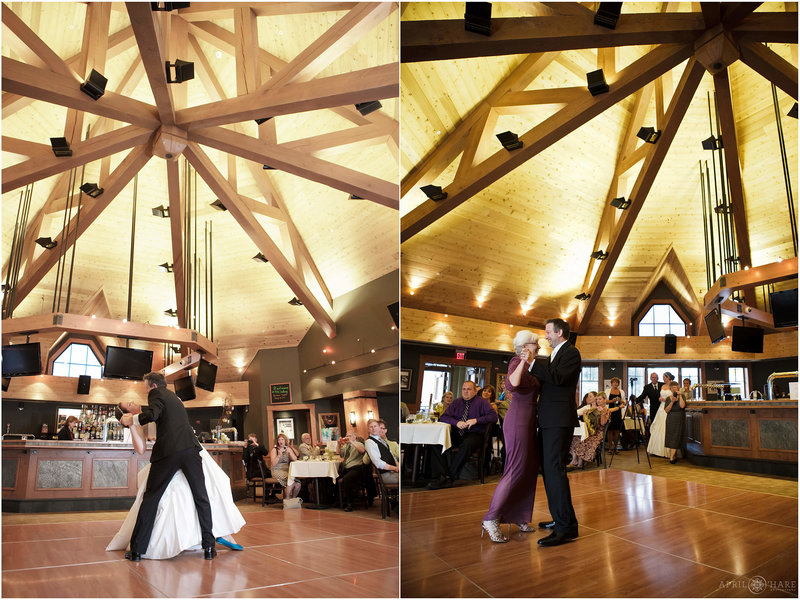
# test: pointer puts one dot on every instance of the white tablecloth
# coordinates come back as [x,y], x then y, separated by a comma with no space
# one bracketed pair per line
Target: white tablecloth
[426,433]
[580,430]
[313,468]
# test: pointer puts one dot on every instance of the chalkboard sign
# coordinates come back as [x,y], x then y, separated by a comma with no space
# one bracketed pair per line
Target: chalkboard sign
[280,393]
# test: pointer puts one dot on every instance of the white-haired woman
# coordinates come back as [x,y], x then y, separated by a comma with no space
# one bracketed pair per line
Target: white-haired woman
[512,501]
[658,428]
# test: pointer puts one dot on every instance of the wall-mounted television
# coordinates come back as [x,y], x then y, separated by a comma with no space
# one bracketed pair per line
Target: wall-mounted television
[784,308]
[22,359]
[747,339]
[713,322]
[127,363]
[206,375]
[184,388]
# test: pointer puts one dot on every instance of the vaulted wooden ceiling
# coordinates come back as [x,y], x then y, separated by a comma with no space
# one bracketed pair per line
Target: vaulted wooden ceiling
[512,241]
[304,65]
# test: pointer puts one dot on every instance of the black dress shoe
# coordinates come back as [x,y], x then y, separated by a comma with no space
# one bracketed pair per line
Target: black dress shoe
[133,556]
[547,525]
[209,553]
[556,539]
[442,482]
[348,508]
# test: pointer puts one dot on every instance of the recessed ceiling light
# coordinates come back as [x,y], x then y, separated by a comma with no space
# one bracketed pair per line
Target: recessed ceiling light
[219,54]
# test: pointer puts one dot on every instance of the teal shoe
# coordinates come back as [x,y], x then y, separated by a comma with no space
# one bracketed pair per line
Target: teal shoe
[228,544]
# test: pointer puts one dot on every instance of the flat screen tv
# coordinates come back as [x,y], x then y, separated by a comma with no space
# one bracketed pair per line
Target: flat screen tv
[713,322]
[22,359]
[747,339]
[184,388]
[206,375]
[127,363]
[784,308]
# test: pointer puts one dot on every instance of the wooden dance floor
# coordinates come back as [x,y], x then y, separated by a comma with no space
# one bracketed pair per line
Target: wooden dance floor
[641,535]
[293,553]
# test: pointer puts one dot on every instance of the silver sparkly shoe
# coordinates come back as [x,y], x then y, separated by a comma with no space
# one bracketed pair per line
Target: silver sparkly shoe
[493,529]
[525,528]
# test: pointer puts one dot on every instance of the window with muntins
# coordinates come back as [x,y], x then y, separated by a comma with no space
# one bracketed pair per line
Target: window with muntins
[660,320]
[75,360]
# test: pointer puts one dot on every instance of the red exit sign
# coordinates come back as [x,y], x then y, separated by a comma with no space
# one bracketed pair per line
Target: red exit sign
[461,354]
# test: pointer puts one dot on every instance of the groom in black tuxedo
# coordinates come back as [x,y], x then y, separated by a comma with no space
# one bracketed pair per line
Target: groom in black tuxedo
[559,376]
[176,447]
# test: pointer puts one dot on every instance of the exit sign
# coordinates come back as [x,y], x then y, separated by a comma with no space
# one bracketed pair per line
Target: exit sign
[461,354]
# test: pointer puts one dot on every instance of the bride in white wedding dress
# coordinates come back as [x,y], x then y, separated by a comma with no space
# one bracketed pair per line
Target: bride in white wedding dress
[658,428]
[177,527]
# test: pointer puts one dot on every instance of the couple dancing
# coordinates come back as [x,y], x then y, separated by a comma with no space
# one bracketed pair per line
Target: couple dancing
[179,490]
[547,388]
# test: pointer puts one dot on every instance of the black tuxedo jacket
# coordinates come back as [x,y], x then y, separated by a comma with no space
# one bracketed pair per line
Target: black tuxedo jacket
[652,393]
[173,431]
[559,379]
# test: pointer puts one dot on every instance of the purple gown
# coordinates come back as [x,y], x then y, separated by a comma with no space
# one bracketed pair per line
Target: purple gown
[513,498]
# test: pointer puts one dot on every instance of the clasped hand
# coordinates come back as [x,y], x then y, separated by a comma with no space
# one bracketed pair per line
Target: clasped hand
[126,420]
[466,424]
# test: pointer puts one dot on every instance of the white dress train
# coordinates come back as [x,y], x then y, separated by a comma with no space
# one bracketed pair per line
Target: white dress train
[658,430]
[177,527]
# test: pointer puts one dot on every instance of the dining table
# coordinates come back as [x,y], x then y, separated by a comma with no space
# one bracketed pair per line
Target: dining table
[421,434]
[316,468]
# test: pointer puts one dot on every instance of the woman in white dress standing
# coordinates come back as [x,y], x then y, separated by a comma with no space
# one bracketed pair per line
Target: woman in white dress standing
[658,428]
[176,527]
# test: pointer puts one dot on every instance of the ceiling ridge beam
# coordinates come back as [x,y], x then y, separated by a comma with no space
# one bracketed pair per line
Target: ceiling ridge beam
[372,83]
[679,103]
[293,278]
[525,35]
[440,157]
[300,164]
[770,65]
[47,164]
[117,181]
[767,27]
[149,37]
[545,134]
[41,84]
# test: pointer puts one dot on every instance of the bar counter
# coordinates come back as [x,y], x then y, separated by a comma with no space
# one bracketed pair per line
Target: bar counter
[54,475]
[751,435]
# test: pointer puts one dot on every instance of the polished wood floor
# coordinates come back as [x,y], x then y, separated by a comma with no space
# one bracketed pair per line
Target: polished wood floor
[641,535]
[293,553]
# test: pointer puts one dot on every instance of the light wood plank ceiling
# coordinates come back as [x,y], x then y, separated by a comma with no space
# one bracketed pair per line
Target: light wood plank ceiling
[512,241]
[305,65]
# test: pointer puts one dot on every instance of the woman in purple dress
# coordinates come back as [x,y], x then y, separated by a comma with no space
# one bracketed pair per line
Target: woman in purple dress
[512,501]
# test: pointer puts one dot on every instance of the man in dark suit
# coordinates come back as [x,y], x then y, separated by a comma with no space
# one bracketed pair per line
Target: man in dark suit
[652,391]
[559,376]
[176,447]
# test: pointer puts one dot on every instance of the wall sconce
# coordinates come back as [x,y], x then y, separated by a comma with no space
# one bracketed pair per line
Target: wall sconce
[352,417]
[370,415]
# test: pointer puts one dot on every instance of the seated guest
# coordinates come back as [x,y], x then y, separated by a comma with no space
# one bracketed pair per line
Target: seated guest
[380,454]
[468,417]
[44,434]
[307,448]
[394,447]
[252,454]
[66,431]
[447,399]
[594,413]
[351,473]
[280,456]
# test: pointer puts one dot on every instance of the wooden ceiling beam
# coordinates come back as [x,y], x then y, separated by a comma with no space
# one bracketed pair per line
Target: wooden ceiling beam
[345,137]
[545,96]
[730,152]
[730,308]
[40,84]
[248,73]
[753,277]
[767,27]
[681,99]
[149,37]
[446,151]
[374,83]
[226,41]
[176,236]
[294,279]
[734,13]
[204,11]
[338,39]
[122,175]
[771,66]
[712,13]
[525,35]
[47,164]
[177,47]
[24,147]
[300,164]
[543,135]
[24,33]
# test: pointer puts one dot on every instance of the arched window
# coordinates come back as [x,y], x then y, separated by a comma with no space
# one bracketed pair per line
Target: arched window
[75,360]
[660,320]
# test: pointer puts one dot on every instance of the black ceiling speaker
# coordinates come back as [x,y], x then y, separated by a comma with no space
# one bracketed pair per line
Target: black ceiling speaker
[670,343]
[95,86]
[367,107]
[84,383]
[184,71]
[434,192]
[607,14]
[596,82]
[60,146]
[478,17]
[509,140]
